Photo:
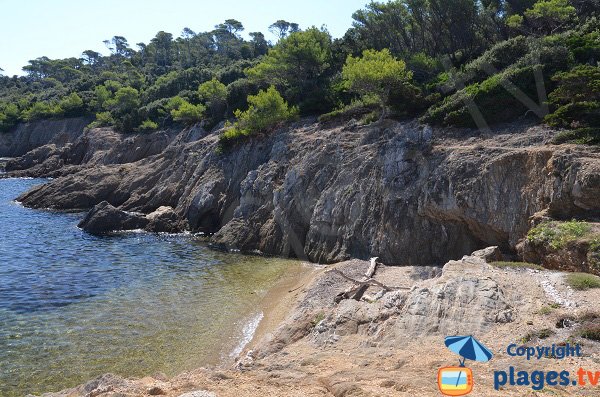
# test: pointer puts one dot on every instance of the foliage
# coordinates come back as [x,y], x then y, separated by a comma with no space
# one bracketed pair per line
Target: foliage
[214,94]
[148,125]
[185,112]
[9,116]
[576,103]
[583,281]
[558,234]
[356,109]
[72,105]
[296,66]
[267,110]
[549,15]
[376,73]
[506,94]
[444,60]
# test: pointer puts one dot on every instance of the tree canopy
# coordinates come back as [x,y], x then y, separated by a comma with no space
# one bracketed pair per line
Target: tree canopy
[451,62]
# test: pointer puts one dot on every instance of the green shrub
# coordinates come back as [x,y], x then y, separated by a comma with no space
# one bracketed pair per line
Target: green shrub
[356,109]
[495,103]
[267,110]
[42,110]
[576,103]
[214,94]
[377,74]
[493,95]
[147,126]
[103,119]
[9,116]
[72,105]
[558,234]
[187,113]
[583,281]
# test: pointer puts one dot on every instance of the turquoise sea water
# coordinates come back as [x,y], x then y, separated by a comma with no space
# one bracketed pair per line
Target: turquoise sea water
[74,306]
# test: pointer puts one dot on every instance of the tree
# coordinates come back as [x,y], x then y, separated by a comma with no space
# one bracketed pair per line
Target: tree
[163,43]
[91,58]
[576,100]
[187,113]
[375,73]
[118,46]
[259,44]
[72,105]
[282,28]
[9,116]
[266,110]
[550,15]
[214,93]
[296,65]
[232,26]
[126,99]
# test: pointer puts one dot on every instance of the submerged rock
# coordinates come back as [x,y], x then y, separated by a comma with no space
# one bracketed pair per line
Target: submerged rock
[104,218]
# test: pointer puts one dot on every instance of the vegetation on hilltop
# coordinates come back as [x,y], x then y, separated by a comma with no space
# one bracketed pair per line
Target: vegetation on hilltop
[466,63]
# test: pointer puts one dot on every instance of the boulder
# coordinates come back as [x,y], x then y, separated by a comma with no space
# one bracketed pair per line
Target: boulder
[164,220]
[105,218]
[489,254]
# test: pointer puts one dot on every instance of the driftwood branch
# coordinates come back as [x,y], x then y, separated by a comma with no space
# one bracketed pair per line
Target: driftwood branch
[357,291]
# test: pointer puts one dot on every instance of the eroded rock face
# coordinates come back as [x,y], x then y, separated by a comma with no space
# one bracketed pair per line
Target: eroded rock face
[461,300]
[28,136]
[404,192]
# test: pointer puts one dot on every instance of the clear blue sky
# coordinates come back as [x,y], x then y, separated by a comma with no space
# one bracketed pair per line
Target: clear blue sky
[65,28]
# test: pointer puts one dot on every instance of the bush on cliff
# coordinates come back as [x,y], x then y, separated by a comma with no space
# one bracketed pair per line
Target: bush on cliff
[188,113]
[9,116]
[576,105]
[378,74]
[298,67]
[267,110]
[507,94]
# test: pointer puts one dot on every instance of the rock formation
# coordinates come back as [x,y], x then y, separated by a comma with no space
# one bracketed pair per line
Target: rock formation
[404,192]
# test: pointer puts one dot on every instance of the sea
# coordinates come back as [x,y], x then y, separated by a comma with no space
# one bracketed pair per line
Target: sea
[75,306]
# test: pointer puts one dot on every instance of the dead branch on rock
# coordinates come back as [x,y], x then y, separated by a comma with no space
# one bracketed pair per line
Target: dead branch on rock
[359,288]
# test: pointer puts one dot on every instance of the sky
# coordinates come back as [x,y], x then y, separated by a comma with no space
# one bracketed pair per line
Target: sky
[65,28]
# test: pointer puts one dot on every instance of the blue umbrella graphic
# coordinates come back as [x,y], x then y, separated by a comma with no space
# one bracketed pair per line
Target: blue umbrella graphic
[468,348]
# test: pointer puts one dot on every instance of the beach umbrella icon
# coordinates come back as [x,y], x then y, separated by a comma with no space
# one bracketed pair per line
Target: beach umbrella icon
[458,381]
[468,348]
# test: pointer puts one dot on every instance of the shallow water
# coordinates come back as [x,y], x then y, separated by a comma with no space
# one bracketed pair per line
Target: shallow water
[75,306]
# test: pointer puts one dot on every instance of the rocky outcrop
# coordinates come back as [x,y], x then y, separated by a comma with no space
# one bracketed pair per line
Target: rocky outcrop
[100,146]
[26,137]
[105,218]
[404,192]
[580,254]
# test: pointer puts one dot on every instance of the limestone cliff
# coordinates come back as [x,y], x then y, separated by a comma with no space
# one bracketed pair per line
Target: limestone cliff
[26,137]
[404,192]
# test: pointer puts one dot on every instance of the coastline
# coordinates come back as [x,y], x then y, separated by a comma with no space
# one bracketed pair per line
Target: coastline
[281,300]
[308,346]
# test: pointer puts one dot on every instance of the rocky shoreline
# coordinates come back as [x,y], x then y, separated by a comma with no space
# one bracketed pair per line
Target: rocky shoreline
[393,345]
[415,196]
[408,193]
